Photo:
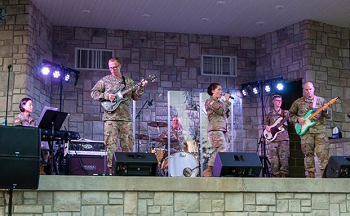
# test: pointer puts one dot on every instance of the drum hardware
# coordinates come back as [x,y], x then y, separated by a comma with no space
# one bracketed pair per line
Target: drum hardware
[157,124]
[142,136]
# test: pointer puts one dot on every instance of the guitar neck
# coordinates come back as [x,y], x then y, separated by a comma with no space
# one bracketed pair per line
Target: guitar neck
[282,122]
[131,88]
[324,106]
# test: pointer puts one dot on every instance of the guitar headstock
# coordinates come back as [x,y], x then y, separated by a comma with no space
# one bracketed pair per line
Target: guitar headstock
[152,77]
[334,100]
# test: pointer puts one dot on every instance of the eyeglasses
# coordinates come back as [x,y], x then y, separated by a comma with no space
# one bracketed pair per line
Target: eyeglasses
[114,68]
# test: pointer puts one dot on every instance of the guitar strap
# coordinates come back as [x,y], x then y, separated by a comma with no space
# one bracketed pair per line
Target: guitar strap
[124,81]
[282,111]
[314,102]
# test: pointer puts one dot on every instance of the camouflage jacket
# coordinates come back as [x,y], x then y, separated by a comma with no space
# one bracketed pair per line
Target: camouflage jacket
[302,105]
[217,112]
[175,134]
[22,120]
[110,84]
[271,118]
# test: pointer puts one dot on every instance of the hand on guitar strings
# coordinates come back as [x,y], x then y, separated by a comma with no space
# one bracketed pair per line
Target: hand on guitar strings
[111,97]
[301,121]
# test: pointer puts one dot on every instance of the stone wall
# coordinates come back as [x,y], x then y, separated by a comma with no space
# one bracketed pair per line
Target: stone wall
[97,196]
[173,57]
[25,38]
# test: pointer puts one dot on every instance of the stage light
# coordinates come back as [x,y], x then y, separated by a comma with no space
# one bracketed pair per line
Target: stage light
[45,70]
[279,86]
[267,88]
[255,90]
[67,77]
[245,91]
[56,74]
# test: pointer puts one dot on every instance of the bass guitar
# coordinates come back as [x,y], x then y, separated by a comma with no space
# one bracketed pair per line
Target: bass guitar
[275,129]
[110,106]
[302,129]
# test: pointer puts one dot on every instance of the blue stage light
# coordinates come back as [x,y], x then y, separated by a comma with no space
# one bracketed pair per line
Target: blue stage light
[245,92]
[45,70]
[279,86]
[255,90]
[56,74]
[67,77]
[267,88]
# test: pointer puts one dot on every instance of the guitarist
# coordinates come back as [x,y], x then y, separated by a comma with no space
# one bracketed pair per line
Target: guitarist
[315,138]
[118,123]
[279,147]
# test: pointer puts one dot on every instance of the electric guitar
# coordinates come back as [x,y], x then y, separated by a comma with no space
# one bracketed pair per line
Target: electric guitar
[275,129]
[302,129]
[110,106]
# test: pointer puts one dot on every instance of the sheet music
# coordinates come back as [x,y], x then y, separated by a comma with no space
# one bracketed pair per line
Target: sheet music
[43,112]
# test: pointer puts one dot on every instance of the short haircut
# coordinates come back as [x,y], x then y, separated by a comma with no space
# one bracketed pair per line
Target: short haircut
[22,103]
[114,59]
[276,96]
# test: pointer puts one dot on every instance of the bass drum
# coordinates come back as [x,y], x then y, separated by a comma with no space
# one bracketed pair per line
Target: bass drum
[181,164]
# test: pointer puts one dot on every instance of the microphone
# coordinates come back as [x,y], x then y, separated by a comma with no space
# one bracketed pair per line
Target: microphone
[230,95]
[9,67]
[150,103]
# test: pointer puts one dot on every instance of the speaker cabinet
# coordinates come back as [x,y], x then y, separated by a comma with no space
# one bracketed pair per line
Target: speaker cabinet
[237,164]
[338,167]
[19,157]
[87,165]
[135,164]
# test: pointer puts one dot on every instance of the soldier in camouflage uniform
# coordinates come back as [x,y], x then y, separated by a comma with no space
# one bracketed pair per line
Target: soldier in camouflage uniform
[315,138]
[118,123]
[176,135]
[279,148]
[24,118]
[217,112]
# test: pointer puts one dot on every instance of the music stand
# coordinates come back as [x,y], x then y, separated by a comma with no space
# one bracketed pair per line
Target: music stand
[51,120]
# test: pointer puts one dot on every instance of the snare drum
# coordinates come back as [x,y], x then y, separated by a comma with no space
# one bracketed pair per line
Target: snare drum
[181,164]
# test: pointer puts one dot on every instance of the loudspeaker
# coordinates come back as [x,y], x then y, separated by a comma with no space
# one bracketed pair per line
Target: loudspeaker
[19,157]
[135,164]
[87,165]
[338,167]
[237,164]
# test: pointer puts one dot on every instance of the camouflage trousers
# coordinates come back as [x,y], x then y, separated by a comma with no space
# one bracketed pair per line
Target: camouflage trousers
[279,156]
[315,142]
[114,130]
[219,141]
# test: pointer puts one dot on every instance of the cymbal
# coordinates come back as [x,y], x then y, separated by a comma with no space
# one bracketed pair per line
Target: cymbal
[141,136]
[157,124]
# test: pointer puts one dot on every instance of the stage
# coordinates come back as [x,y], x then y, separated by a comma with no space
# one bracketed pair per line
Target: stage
[112,195]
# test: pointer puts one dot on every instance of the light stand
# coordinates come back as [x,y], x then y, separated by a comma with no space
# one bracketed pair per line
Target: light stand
[8,91]
[149,103]
[262,140]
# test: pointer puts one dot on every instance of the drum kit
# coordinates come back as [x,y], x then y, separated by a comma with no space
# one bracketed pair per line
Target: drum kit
[183,162]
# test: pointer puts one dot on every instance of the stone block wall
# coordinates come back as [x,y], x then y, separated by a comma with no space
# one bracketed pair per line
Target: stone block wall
[97,196]
[90,203]
[173,57]
[25,39]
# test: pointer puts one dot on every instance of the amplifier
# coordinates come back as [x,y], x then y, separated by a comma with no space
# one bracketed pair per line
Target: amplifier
[85,145]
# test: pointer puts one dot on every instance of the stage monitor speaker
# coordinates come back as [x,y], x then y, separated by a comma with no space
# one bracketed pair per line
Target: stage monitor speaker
[237,164]
[338,167]
[87,165]
[19,157]
[135,164]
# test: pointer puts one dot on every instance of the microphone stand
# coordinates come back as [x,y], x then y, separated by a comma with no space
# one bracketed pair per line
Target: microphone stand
[8,90]
[149,103]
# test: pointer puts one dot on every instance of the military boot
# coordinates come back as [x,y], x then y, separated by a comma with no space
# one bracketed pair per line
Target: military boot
[208,172]
[311,175]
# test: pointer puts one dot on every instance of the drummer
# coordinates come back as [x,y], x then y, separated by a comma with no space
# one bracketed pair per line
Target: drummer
[176,135]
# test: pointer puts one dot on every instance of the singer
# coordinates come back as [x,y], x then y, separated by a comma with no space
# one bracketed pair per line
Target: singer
[117,124]
[217,112]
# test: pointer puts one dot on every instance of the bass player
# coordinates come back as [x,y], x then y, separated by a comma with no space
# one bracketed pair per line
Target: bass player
[315,139]
[279,146]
